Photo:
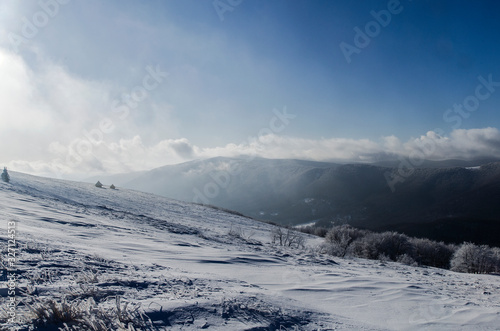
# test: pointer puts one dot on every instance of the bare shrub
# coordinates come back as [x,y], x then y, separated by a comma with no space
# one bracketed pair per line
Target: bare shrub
[287,237]
[239,233]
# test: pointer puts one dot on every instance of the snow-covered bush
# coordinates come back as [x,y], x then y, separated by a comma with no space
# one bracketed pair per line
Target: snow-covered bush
[406,259]
[432,253]
[474,259]
[318,231]
[339,239]
[383,258]
[394,244]
[5,175]
[496,256]
[390,244]
[98,184]
[367,246]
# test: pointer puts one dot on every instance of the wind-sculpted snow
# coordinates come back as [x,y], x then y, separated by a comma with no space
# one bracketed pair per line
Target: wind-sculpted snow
[121,257]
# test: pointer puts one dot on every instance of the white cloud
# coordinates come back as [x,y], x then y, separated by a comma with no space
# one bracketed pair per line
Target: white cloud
[43,106]
[127,155]
[49,115]
[20,100]
[461,144]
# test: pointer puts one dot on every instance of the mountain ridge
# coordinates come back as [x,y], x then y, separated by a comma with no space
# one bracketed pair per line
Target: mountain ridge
[295,192]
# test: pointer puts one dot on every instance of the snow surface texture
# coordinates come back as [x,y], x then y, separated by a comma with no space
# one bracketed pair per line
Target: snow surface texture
[187,267]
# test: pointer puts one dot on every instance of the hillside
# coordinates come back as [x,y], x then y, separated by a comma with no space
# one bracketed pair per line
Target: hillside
[132,258]
[298,192]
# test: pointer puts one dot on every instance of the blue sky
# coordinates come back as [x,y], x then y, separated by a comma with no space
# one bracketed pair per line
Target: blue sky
[226,70]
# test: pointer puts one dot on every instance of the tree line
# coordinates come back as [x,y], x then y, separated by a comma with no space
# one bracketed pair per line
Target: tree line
[347,241]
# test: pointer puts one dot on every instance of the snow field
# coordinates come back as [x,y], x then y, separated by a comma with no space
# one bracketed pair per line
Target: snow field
[183,266]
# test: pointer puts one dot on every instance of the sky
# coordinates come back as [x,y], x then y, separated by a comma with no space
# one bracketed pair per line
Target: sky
[90,87]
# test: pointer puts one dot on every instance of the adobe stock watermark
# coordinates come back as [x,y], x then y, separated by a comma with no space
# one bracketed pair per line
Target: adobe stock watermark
[10,263]
[223,6]
[455,115]
[222,178]
[32,25]
[120,108]
[471,103]
[363,37]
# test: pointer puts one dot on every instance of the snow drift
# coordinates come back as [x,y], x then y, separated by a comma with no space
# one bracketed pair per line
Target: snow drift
[96,258]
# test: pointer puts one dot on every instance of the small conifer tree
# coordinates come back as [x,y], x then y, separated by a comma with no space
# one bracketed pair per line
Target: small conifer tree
[5,175]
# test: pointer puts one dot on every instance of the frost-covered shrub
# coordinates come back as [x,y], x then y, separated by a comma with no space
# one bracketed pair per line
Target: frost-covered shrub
[339,239]
[406,259]
[53,312]
[496,256]
[394,244]
[366,247]
[383,258]
[474,259]
[432,253]
[88,315]
[390,244]
[320,231]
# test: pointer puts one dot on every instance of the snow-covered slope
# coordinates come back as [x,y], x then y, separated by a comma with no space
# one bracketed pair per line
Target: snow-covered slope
[194,267]
[440,203]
